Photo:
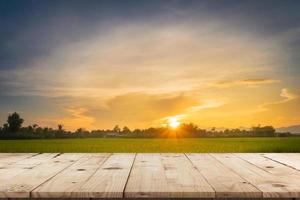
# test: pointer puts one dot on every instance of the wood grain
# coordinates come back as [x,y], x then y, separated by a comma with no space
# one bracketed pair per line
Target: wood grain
[23,183]
[110,179]
[11,158]
[166,176]
[271,185]
[225,182]
[10,170]
[289,159]
[67,183]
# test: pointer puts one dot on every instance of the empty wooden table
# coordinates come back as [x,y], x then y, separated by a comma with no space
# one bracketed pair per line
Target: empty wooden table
[150,175]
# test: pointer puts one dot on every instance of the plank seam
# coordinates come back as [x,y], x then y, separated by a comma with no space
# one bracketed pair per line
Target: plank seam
[195,167]
[32,155]
[123,193]
[30,193]
[27,157]
[102,163]
[280,162]
[237,174]
[252,164]
[36,165]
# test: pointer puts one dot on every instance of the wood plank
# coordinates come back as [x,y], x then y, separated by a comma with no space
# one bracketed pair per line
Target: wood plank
[67,183]
[225,182]
[10,158]
[289,159]
[10,170]
[110,179]
[5,155]
[22,184]
[270,166]
[271,185]
[150,175]
[35,160]
[166,176]
[292,176]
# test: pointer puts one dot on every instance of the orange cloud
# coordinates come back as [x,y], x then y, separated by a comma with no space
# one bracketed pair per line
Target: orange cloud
[76,118]
[140,110]
[246,82]
[287,95]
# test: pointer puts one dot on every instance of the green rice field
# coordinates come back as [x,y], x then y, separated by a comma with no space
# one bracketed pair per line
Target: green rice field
[271,144]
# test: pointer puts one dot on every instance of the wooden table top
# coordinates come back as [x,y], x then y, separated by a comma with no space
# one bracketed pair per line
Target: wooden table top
[149,175]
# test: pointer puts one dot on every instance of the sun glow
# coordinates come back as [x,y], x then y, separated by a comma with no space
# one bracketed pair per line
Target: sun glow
[173,122]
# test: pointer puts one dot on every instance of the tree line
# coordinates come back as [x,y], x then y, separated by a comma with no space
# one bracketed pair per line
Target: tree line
[13,129]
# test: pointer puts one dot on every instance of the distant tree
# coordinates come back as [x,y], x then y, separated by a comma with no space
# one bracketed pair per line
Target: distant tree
[14,122]
[60,133]
[80,130]
[117,129]
[30,129]
[5,127]
[188,130]
[137,132]
[126,130]
[60,127]
[35,126]
[263,131]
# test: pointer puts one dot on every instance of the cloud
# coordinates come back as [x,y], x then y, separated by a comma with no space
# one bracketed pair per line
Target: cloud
[75,118]
[135,73]
[245,82]
[151,57]
[141,109]
[203,105]
[287,96]
[136,110]
[206,104]
[259,81]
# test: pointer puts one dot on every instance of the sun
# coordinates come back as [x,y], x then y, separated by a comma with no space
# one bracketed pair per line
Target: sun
[173,122]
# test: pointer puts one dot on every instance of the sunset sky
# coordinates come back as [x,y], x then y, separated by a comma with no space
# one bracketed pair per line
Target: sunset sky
[95,64]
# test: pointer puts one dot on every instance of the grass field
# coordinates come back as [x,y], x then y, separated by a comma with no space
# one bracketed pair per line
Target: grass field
[288,144]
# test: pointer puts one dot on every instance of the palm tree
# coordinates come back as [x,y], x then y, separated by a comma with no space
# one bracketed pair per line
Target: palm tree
[60,127]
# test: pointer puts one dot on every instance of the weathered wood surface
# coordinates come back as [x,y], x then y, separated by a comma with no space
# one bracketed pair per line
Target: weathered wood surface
[289,159]
[167,175]
[111,178]
[20,185]
[69,182]
[271,185]
[225,182]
